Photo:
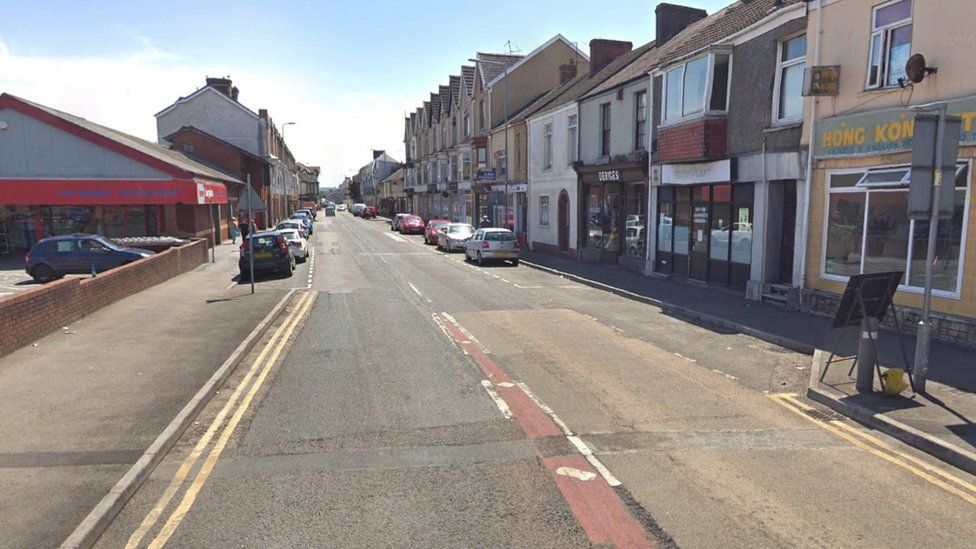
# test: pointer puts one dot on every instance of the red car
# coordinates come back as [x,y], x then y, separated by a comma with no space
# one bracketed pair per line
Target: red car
[369,212]
[411,225]
[430,232]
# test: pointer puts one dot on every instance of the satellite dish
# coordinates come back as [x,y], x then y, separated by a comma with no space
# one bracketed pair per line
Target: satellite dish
[916,70]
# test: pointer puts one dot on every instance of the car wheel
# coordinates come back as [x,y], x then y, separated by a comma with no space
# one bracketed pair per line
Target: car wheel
[43,274]
[515,262]
[481,260]
[426,241]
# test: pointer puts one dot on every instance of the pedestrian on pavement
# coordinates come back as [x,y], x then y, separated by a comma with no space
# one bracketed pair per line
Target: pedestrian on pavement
[234,230]
[485,223]
[245,227]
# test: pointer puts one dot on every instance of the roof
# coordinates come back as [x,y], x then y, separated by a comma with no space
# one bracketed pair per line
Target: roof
[212,137]
[583,83]
[201,91]
[696,36]
[395,175]
[455,88]
[149,149]
[467,73]
[543,47]
[493,64]
[444,92]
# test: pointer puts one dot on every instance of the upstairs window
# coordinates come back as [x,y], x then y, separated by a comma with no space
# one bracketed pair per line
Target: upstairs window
[788,105]
[695,86]
[640,120]
[467,125]
[605,129]
[891,43]
[547,147]
[483,114]
[572,139]
[501,163]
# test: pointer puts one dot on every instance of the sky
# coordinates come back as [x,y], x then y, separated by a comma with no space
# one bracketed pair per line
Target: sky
[345,72]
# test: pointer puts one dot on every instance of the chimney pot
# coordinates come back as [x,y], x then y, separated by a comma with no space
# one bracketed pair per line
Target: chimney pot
[223,85]
[567,72]
[603,52]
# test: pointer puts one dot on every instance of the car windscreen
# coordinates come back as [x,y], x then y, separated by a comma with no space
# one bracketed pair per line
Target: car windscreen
[291,235]
[109,243]
[460,229]
[438,224]
[500,236]
[265,242]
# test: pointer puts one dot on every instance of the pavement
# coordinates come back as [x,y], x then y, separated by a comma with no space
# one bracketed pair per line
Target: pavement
[940,421]
[412,398]
[81,406]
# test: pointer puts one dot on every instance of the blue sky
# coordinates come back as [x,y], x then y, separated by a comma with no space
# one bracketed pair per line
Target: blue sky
[344,71]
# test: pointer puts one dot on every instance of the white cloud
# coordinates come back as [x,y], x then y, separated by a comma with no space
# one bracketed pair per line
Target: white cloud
[334,129]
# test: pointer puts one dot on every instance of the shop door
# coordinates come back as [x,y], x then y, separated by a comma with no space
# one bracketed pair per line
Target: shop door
[698,261]
[681,229]
[563,221]
[788,237]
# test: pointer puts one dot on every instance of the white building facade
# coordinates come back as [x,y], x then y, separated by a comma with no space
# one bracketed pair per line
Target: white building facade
[553,145]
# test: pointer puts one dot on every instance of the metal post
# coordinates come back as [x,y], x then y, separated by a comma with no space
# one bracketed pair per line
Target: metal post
[924,337]
[866,355]
[250,232]
[213,235]
[506,148]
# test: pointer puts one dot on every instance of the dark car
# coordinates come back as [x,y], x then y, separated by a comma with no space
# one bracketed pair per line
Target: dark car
[271,253]
[56,256]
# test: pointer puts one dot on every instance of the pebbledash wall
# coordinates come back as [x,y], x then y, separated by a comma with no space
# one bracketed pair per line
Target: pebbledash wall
[30,315]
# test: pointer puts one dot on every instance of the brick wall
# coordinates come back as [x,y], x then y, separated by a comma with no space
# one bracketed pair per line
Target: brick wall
[700,139]
[31,314]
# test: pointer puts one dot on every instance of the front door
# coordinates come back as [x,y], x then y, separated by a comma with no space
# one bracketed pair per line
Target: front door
[788,237]
[563,217]
[698,261]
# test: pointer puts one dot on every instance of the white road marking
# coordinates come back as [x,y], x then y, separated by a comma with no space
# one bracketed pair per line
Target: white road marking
[576,473]
[526,287]
[416,291]
[502,405]
[506,384]
[396,237]
[596,463]
[505,281]
[545,408]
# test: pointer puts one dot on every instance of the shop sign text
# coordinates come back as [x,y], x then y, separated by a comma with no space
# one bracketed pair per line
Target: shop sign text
[608,175]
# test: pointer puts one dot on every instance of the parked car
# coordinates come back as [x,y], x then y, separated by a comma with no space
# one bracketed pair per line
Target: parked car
[369,212]
[297,243]
[292,224]
[395,222]
[434,225]
[411,225]
[53,257]
[271,253]
[487,244]
[342,207]
[305,219]
[312,214]
[357,209]
[453,236]
[330,210]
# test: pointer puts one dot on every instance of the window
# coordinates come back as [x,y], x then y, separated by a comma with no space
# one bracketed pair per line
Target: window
[482,158]
[451,168]
[868,230]
[891,43]
[543,210]
[605,129]
[444,141]
[501,163]
[518,152]
[572,139]
[640,120]
[467,125]
[696,86]
[547,149]
[483,114]
[454,130]
[792,55]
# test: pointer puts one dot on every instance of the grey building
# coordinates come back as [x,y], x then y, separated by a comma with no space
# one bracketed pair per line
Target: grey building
[372,173]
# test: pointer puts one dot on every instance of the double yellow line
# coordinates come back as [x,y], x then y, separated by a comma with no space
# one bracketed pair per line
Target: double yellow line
[258,372]
[875,446]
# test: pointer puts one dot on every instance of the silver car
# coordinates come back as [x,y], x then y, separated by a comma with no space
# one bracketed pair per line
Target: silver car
[453,236]
[488,244]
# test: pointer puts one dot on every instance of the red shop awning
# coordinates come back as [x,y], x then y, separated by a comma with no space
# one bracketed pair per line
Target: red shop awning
[60,192]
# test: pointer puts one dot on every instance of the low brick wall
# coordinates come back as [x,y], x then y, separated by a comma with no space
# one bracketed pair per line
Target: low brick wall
[29,315]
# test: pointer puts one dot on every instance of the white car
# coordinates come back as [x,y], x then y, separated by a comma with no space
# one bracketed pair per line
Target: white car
[292,224]
[342,207]
[453,236]
[489,244]
[297,244]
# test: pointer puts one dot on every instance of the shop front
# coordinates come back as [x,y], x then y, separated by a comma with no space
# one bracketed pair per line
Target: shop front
[859,219]
[613,214]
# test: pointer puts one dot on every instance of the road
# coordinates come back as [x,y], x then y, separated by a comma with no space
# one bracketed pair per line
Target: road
[411,398]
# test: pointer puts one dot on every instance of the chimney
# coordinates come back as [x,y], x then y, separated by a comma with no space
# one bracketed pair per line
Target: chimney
[377,154]
[223,85]
[603,52]
[567,72]
[234,92]
[263,114]
[670,19]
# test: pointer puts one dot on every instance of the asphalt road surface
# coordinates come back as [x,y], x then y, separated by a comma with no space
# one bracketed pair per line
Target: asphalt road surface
[409,398]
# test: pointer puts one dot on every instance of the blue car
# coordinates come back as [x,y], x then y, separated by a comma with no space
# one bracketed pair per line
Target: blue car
[53,257]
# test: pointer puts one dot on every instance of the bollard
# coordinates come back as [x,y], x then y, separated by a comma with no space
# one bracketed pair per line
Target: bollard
[866,358]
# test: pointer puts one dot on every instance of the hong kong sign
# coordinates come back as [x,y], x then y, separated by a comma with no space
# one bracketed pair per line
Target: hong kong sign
[882,132]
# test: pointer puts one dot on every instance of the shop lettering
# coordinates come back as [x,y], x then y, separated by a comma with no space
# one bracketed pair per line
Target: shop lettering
[611,175]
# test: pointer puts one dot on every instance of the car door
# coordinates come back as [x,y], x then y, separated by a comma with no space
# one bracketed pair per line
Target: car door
[62,256]
[475,242]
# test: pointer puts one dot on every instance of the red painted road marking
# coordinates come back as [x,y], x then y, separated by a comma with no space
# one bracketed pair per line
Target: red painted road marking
[597,508]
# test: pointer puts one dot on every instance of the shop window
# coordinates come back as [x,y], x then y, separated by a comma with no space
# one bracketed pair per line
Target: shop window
[891,43]
[665,216]
[543,210]
[635,215]
[696,86]
[114,224]
[868,230]
[594,221]
[788,103]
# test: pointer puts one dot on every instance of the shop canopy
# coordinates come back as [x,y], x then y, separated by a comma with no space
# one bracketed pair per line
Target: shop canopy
[68,170]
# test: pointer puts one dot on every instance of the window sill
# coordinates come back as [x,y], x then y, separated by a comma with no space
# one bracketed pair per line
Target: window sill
[783,126]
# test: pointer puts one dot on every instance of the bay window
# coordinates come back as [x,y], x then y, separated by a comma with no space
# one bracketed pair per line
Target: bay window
[868,230]
[891,43]
[696,86]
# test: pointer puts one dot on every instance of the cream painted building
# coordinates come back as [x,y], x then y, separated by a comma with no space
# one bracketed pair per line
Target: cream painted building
[861,141]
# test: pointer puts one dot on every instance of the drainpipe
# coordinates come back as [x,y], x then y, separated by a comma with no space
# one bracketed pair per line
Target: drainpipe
[810,146]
